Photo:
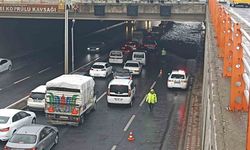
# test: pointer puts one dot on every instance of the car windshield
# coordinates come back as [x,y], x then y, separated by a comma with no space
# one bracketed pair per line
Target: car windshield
[138,56]
[132,65]
[98,66]
[177,76]
[149,42]
[35,95]
[115,54]
[119,89]
[4,119]
[23,139]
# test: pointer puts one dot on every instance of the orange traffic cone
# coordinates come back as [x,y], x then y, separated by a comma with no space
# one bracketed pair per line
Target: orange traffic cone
[130,136]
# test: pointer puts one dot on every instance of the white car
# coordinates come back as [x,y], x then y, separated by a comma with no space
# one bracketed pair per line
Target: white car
[178,79]
[133,66]
[116,57]
[100,69]
[121,91]
[13,119]
[5,64]
[36,98]
[140,57]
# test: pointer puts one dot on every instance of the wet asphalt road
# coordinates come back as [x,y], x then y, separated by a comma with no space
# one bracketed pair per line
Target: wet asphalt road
[105,128]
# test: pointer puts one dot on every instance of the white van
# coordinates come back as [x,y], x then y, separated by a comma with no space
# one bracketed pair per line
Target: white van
[116,57]
[121,91]
[140,57]
[36,98]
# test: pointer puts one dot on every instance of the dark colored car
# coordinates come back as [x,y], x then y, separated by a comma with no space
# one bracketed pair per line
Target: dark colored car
[122,74]
[96,47]
[150,44]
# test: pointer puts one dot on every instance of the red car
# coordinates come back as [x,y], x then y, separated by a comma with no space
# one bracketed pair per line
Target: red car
[150,44]
[133,44]
[126,49]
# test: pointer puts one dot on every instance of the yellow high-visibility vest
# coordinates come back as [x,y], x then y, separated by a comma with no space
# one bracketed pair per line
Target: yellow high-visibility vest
[151,98]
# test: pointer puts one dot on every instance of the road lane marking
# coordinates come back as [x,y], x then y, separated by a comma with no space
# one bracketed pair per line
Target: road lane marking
[44,70]
[101,96]
[86,64]
[152,86]
[114,147]
[1,89]
[129,123]
[143,100]
[26,97]
[22,80]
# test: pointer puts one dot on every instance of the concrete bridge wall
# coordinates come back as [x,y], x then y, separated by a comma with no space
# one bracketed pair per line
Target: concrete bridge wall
[185,11]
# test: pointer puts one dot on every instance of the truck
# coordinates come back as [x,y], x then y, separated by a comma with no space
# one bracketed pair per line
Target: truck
[68,98]
[245,3]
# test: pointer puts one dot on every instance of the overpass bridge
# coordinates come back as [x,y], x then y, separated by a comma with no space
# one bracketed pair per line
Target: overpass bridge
[108,10]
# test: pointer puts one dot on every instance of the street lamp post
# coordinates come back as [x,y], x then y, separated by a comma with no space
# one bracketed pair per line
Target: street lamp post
[66,48]
[72,42]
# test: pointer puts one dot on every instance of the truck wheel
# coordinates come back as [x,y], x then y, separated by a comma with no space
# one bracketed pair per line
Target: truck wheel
[82,118]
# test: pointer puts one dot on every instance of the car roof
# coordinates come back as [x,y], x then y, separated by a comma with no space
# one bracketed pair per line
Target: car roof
[39,89]
[115,51]
[120,81]
[137,52]
[122,70]
[3,59]
[30,129]
[178,72]
[100,63]
[9,112]
[132,61]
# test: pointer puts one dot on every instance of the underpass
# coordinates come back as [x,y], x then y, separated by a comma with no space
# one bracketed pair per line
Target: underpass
[106,125]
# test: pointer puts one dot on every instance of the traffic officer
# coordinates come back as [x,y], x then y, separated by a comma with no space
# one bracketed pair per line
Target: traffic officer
[163,52]
[151,99]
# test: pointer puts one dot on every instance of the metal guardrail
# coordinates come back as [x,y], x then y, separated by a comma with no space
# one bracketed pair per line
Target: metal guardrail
[233,44]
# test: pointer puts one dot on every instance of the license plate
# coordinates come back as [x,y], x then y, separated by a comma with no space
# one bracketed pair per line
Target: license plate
[36,100]
[118,99]
[63,117]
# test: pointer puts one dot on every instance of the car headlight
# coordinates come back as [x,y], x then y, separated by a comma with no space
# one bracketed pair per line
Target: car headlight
[88,48]
[97,48]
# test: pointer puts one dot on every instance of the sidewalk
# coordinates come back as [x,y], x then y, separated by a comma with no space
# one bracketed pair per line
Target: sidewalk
[229,127]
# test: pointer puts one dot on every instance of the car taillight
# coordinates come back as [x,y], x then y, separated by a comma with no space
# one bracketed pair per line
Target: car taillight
[129,92]
[32,148]
[108,93]
[5,129]
[6,148]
